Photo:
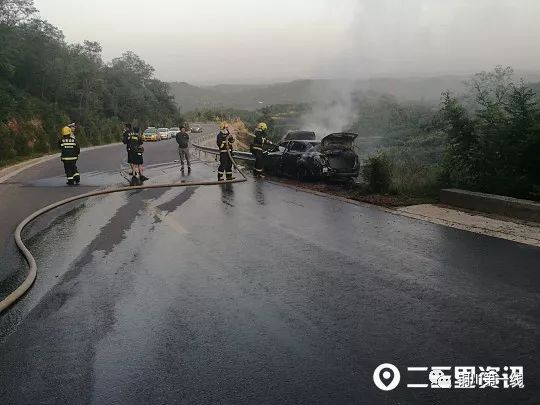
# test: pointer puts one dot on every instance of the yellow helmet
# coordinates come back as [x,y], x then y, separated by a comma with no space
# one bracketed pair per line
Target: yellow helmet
[66,131]
[262,126]
[223,125]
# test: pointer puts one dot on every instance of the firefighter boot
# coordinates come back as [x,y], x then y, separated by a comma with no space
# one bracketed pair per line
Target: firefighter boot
[136,181]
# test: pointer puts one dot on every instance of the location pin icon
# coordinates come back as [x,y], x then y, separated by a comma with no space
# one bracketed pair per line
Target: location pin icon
[386,377]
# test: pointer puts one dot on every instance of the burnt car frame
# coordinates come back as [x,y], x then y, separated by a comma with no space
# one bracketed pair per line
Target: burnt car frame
[331,158]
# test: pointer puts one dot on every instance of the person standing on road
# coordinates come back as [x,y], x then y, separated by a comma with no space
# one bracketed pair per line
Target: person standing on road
[224,142]
[136,150]
[69,155]
[182,139]
[257,148]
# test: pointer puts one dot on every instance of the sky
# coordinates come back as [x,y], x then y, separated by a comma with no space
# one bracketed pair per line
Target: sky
[254,41]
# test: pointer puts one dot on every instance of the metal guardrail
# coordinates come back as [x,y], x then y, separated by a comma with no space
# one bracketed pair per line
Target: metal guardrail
[246,156]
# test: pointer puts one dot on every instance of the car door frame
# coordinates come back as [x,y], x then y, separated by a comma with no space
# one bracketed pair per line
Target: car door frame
[275,159]
[291,158]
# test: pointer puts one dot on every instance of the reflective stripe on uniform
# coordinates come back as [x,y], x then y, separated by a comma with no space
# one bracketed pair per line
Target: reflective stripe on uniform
[259,170]
[69,158]
[77,175]
[256,148]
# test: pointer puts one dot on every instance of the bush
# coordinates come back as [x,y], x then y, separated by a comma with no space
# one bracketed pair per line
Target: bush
[414,171]
[7,150]
[416,180]
[377,173]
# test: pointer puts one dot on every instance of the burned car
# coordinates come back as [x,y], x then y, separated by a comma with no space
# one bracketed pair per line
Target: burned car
[332,157]
[299,135]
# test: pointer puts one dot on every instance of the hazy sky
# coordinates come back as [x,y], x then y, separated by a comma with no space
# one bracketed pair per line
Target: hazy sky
[247,41]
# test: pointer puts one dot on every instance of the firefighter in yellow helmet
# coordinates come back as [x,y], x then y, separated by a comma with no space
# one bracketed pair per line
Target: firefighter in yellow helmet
[224,142]
[257,148]
[69,155]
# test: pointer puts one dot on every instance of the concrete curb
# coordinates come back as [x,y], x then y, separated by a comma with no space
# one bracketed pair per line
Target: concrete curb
[11,171]
[495,204]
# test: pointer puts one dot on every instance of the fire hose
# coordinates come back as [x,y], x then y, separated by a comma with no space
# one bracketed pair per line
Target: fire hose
[30,260]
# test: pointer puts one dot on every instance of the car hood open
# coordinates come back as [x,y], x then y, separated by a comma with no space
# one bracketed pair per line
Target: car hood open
[342,140]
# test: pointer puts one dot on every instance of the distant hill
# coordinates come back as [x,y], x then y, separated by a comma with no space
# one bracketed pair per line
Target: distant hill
[248,97]
[252,97]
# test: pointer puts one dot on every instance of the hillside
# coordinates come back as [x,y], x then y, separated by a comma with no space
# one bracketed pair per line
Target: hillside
[252,97]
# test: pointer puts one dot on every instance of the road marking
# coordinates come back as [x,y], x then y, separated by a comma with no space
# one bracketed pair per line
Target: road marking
[168,220]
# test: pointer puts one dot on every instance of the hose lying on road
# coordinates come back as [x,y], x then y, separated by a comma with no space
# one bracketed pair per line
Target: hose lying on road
[32,266]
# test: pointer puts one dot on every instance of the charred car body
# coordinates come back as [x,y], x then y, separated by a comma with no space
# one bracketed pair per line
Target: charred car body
[307,159]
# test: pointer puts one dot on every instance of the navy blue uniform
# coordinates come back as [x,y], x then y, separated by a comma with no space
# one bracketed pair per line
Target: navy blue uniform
[69,155]
[135,154]
[257,148]
[225,162]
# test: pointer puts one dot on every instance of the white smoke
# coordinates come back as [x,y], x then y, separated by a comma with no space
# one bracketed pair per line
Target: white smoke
[334,110]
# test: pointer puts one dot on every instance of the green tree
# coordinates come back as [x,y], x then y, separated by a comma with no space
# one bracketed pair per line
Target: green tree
[45,83]
[491,150]
[13,12]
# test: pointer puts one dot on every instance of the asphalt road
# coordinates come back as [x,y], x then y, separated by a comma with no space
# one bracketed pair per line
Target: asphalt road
[252,293]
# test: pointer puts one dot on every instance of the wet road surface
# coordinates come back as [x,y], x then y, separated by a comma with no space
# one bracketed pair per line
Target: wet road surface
[44,184]
[257,293]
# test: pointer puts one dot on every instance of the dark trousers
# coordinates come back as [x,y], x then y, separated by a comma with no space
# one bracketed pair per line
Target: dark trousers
[225,166]
[183,153]
[259,162]
[72,173]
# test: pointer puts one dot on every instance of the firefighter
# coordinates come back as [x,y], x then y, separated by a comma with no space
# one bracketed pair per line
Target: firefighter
[224,142]
[135,151]
[70,151]
[257,148]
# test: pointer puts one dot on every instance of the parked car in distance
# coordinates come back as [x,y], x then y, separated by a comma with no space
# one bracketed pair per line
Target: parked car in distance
[150,135]
[163,133]
[331,158]
[173,131]
[196,129]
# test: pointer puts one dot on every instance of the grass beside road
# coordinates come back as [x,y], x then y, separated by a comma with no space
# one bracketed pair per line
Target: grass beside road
[358,192]
[20,159]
